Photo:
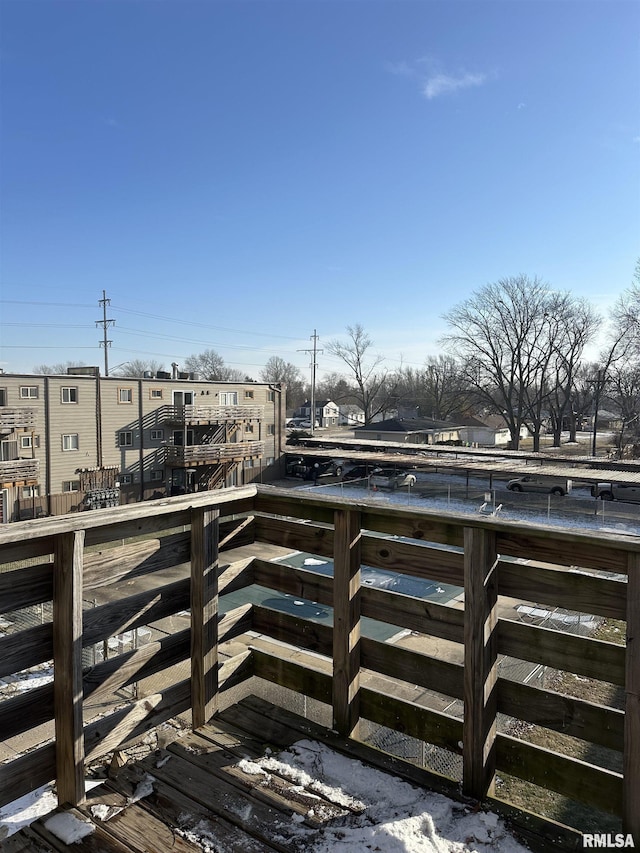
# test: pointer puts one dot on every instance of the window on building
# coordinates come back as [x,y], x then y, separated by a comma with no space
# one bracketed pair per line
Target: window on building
[125,395]
[270,460]
[248,463]
[248,427]
[155,393]
[271,430]
[126,479]
[30,491]
[125,439]
[26,442]
[3,396]
[228,398]
[157,435]
[156,475]
[28,392]
[69,395]
[71,485]
[271,396]
[248,395]
[70,441]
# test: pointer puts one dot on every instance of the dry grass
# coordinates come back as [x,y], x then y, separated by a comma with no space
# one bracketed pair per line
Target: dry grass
[548,803]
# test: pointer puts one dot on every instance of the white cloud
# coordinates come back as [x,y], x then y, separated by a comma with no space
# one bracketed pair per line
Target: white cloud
[447,84]
[521,106]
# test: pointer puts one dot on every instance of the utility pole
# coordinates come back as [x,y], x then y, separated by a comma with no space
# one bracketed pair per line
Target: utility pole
[105,325]
[314,352]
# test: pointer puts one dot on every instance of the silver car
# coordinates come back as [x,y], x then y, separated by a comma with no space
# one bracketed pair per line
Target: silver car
[390,478]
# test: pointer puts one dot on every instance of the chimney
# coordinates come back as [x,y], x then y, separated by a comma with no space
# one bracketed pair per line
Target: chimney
[174,365]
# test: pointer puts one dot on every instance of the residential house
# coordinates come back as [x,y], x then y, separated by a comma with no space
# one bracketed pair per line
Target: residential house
[327,412]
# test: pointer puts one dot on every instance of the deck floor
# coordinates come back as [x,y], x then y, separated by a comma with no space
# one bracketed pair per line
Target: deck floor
[201,799]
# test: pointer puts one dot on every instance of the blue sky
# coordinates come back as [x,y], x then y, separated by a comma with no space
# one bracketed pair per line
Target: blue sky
[237,174]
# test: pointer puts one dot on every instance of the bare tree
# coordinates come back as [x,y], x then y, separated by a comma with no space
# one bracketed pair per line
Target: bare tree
[369,377]
[210,365]
[59,369]
[137,367]
[278,371]
[503,334]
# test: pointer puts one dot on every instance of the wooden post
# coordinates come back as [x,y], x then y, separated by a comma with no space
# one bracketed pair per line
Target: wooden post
[480,662]
[631,757]
[67,666]
[346,622]
[204,614]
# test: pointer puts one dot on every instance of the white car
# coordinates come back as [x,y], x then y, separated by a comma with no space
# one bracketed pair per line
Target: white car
[629,492]
[390,478]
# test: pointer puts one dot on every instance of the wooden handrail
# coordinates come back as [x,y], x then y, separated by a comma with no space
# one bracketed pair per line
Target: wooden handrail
[169,550]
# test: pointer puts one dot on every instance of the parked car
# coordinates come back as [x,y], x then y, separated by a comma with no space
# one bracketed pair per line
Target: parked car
[360,472]
[545,485]
[308,468]
[629,492]
[391,478]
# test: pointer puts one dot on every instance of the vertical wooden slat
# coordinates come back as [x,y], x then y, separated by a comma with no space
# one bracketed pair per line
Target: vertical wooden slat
[204,614]
[67,666]
[346,622]
[480,664]
[631,767]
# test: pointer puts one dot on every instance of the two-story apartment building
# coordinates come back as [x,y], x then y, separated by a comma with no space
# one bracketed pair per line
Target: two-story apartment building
[79,440]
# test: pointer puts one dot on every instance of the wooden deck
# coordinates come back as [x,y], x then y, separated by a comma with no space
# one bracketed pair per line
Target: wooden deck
[202,800]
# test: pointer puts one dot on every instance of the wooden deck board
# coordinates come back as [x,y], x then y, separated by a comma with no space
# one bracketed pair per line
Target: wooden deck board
[202,797]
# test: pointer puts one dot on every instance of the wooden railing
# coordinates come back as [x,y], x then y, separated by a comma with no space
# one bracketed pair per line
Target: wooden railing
[193,414]
[19,471]
[209,454]
[172,555]
[17,418]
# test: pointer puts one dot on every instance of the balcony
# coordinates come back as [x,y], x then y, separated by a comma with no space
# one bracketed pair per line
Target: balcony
[212,454]
[19,472]
[18,418]
[194,415]
[368,660]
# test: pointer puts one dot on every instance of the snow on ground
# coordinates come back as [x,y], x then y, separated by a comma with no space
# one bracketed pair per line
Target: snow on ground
[382,811]
[20,813]
[386,813]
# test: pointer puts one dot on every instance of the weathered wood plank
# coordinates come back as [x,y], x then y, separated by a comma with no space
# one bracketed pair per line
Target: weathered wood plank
[128,724]
[631,763]
[67,663]
[444,565]
[294,630]
[563,588]
[425,617]
[134,611]
[109,565]
[24,774]
[26,587]
[295,535]
[346,622]
[26,648]
[568,549]
[575,717]
[411,719]
[234,672]
[480,662]
[173,807]
[287,673]
[302,583]
[182,772]
[204,614]
[581,655]
[412,667]
[575,779]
